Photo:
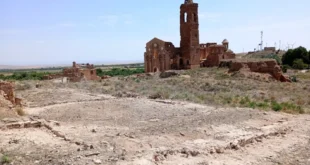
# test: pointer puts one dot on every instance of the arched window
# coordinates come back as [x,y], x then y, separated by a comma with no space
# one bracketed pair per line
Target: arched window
[185,17]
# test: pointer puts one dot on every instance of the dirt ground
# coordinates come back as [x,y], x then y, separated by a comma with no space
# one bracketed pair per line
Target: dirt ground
[103,129]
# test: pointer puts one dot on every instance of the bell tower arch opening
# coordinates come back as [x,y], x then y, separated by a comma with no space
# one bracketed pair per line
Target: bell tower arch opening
[185,17]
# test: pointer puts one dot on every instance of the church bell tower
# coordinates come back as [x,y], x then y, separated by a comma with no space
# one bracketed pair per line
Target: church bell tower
[189,31]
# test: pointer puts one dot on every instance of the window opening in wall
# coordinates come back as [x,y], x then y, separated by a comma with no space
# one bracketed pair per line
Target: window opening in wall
[92,72]
[185,17]
[181,61]
[187,62]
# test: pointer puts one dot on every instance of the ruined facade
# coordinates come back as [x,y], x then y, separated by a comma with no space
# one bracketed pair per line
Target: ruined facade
[212,53]
[77,73]
[162,55]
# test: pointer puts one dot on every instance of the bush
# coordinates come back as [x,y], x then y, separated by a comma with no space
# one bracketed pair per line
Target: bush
[5,159]
[293,78]
[299,64]
[276,106]
[273,56]
[119,72]
[25,76]
[285,68]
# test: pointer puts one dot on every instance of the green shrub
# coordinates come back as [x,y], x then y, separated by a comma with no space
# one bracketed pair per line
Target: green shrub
[284,68]
[276,106]
[252,104]
[273,56]
[298,53]
[5,159]
[299,64]
[244,101]
[293,78]
[263,105]
[120,72]
[25,76]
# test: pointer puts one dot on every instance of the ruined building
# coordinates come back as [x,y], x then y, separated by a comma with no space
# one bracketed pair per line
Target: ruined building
[77,73]
[7,91]
[162,55]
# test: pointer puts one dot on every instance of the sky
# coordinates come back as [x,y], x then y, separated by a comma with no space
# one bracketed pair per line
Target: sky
[50,32]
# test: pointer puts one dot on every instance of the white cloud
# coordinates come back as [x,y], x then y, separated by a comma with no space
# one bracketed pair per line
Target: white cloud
[210,16]
[110,20]
[127,19]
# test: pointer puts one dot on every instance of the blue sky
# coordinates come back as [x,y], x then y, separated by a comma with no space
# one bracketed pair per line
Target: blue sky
[49,32]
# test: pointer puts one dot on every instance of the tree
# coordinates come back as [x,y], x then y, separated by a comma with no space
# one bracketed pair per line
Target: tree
[309,55]
[298,53]
[288,58]
[301,53]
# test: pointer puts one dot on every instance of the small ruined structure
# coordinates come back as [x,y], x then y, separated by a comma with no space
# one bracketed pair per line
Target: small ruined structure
[212,53]
[7,91]
[271,49]
[77,73]
[269,66]
[162,55]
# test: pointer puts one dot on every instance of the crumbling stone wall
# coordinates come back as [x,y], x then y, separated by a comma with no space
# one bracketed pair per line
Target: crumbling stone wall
[267,66]
[7,89]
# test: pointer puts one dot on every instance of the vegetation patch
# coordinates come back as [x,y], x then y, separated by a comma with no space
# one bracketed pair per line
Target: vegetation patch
[298,58]
[25,76]
[119,72]
[271,104]
[5,160]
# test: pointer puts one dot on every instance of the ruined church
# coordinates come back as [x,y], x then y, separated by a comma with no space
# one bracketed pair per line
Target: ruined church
[161,55]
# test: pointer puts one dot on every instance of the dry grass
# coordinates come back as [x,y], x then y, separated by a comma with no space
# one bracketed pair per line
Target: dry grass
[212,86]
[20,111]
